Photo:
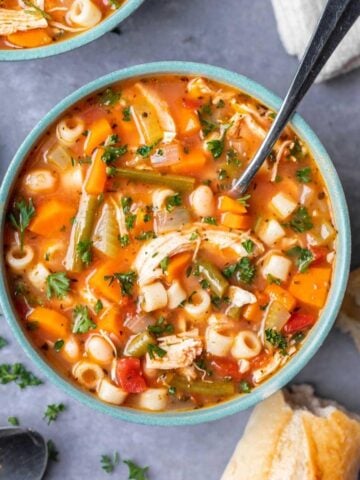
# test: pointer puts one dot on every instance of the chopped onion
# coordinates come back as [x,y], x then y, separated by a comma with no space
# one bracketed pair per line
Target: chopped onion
[167,221]
[166,155]
[139,322]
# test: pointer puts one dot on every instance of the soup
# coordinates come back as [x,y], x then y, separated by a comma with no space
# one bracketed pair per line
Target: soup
[134,271]
[30,24]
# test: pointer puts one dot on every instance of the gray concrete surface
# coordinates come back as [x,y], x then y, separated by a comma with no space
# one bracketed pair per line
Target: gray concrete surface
[239,35]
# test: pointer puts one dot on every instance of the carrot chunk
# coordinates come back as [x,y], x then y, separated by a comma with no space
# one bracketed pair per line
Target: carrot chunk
[96,178]
[227,204]
[50,323]
[232,220]
[97,134]
[278,293]
[102,286]
[312,286]
[30,38]
[51,217]
[177,265]
[192,162]
[111,320]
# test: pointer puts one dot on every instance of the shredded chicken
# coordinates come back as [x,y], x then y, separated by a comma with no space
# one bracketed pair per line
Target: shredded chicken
[12,21]
[181,351]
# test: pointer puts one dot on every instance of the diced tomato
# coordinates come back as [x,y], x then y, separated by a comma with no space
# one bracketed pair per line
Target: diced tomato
[319,254]
[192,103]
[226,367]
[299,321]
[129,375]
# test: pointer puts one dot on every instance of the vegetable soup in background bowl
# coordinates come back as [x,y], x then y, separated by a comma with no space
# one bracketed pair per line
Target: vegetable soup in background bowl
[41,28]
[132,278]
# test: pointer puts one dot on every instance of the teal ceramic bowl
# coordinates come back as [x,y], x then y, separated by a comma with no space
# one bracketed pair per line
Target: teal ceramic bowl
[77,41]
[315,338]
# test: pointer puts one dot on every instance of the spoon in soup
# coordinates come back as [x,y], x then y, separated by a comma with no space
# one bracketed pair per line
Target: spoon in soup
[336,20]
[23,454]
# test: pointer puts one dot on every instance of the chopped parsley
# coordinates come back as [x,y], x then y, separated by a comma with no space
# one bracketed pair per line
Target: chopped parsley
[82,320]
[124,240]
[303,256]
[207,125]
[216,147]
[245,386]
[57,285]
[21,216]
[222,174]
[296,149]
[244,200]
[112,153]
[244,271]
[232,158]
[109,463]
[83,249]
[276,339]
[136,472]
[304,175]
[173,201]
[271,279]
[155,350]
[126,280]
[3,342]
[109,97]
[17,373]
[98,306]
[52,412]
[130,220]
[164,264]
[145,150]
[160,327]
[58,345]
[248,246]
[126,114]
[146,235]
[14,421]
[301,220]
[209,220]
[126,203]
[52,451]
[193,236]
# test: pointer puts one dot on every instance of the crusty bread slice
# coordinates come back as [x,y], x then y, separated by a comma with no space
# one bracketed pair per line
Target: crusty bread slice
[349,317]
[295,436]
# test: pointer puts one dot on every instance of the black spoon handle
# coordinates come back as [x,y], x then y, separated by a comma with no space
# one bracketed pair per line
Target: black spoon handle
[336,20]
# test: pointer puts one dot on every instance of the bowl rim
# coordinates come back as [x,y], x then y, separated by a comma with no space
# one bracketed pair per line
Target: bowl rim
[319,332]
[74,42]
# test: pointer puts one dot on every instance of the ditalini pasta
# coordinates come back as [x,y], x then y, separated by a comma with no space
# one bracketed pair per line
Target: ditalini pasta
[31,24]
[134,271]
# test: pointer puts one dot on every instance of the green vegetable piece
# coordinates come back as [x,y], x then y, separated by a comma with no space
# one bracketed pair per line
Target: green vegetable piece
[276,339]
[198,387]
[52,451]
[218,284]
[303,256]
[138,345]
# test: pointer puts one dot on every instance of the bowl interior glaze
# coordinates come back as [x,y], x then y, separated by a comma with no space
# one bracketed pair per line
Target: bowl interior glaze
[341,269]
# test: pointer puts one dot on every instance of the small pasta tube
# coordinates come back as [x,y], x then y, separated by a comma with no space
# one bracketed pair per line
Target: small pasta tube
[69,130]
[216,343]
[71,349]
[100,348]
[19,260]
[154,399]
[200,306]
[38,275]
[176,295]
[246,345]
[159,197]
[154,296]
[84,13]
[88,374]
[40,181]
[202,201]
[109,393]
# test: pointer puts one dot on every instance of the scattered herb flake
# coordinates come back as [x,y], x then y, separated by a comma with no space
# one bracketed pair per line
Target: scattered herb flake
[303,256]
[248,245]
[136,472]
[155,350]
[83,249]
[21,216]
[57,285]
[58,345]
[98,306]
[276,339]
[52,412]
[109,463]
[82,320]
[164,264]
[52,451]
[173,201]
[3,342]
[209,220]
[304,175]
[14,421]
[19,374]
[301,220]
[109,97]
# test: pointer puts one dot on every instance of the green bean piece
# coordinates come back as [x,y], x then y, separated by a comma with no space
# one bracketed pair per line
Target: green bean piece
[81,231]
[218,388]
[218,284]
[138,345]
[177,182]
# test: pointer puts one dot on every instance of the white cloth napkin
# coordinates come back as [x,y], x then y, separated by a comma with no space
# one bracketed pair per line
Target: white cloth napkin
[296,21]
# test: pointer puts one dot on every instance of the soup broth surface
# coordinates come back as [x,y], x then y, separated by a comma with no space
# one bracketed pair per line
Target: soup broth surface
[133,270]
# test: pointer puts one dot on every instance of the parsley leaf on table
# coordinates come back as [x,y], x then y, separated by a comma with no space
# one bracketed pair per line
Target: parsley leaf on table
[52,411]
[17,373]
[136,472]
[109,463]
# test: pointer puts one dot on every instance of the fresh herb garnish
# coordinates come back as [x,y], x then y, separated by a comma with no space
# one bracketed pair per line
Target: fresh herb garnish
[136,472]
[20,217]
[145,150]
[244,200]
[126,280]
[57,285]
[83,249]
[52,412]
[124,240]
[82,320]
[298,337]
[301,220]
[3,342]
[232,158]
[303,256]
[58,345]
[296,150]
[276,339]
[244,270]
[173,201]
[130,220]
[304,175]
[155,350]
[126,203]
[109,97]
[248,245]
[161,327]
[17,373]
[209,220]
[164,264]
[126,114]
[222,174]
[204,284]
[14,421]
[38,10]
[244,386]
[52,451]
[216,147]
[109,463]
[207,125]
[146,235]
[271,279]
[98,306]
[193,236]
[112,153]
